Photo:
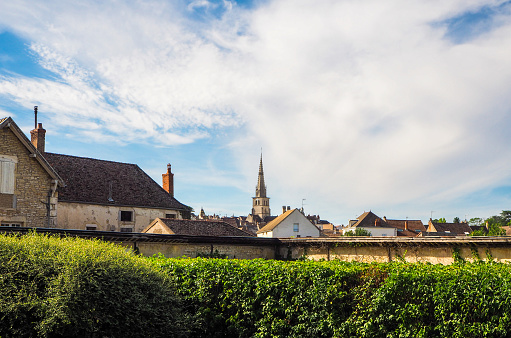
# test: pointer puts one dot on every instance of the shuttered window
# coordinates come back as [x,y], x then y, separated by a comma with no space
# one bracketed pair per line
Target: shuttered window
[6,176]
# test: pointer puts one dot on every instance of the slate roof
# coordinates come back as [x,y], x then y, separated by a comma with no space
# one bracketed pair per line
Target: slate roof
[456,228]
[200,228]
[94,181]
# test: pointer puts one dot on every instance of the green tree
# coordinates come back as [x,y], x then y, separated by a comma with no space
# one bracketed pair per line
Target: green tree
[494,225]
[475,221]
[456,220]
[439,220]
[358,232]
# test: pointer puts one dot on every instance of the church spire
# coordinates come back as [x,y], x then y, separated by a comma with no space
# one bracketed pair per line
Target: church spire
[261,202]
[261,187]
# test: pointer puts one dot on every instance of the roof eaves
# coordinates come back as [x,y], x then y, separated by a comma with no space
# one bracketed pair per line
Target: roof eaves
[9,123]
[270,226]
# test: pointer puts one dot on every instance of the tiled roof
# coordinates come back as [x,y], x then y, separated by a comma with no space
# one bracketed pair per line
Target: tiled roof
[95,181]
[270,226]
[400,224]
[202,228]
[2,119]
[456,228]
[407,233]
[367,219]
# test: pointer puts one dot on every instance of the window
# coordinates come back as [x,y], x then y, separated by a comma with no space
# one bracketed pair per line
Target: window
[7,166]
[126,229]
[126,216]
[11,224]
[296,227]
[91,227]
[170,216]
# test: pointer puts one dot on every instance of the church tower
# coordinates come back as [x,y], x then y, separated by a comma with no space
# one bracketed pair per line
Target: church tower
[261,203]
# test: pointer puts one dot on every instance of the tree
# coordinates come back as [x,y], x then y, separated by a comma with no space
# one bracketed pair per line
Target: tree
[456,220]
[494,224]
[475,221]
[439,220]
[358,232]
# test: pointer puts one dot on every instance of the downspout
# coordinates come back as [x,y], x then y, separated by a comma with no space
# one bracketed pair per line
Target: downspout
[51,194]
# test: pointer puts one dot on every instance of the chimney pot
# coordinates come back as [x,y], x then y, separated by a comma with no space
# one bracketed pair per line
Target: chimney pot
[168,181]
[406,225]
[283,209]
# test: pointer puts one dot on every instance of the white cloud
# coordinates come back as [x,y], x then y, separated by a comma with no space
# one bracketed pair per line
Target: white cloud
[356,104]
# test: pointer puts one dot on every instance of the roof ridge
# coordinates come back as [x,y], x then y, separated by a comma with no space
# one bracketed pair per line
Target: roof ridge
[90,158]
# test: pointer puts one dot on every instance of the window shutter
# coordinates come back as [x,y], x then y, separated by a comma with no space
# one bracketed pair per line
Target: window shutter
[7,177]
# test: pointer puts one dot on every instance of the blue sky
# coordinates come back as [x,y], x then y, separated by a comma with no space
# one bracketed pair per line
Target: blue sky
[399,107]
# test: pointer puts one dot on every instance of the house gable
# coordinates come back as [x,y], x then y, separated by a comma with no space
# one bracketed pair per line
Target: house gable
[27,182]
[292,223]
[194,228]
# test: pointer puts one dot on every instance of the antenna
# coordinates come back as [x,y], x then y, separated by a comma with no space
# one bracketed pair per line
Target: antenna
[35,113]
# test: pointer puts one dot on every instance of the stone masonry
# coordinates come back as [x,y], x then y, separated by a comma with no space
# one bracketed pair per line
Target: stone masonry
[32,186]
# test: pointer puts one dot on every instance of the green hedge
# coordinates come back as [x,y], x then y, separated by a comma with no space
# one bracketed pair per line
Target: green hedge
[51,287]
[259,298]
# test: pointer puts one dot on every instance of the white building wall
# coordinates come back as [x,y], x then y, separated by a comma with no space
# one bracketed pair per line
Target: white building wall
[286,227]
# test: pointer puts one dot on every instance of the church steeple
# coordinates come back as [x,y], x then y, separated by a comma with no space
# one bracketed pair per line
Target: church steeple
[261,187]
[261,203]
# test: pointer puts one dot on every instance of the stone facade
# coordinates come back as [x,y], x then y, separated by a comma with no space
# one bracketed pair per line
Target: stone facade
[85,216]
[33,187]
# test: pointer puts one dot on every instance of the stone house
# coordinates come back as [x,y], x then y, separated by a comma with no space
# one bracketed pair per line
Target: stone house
[372,223]
[172,226]
[291,223]
[112,196]
[97,194]
[386,227]
[28,184]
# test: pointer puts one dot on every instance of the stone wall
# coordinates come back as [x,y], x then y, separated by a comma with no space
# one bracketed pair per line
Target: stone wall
[413,250]
[195,249]
[31,187]
[430,250]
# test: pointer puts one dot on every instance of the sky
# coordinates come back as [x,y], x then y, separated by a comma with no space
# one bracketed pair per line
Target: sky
[401,107]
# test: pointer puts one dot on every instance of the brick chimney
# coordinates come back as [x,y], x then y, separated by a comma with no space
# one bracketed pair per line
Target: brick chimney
[38,137]
[168,181]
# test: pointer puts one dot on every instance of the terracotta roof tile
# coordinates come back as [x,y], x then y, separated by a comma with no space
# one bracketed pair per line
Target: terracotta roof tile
[96,181]
[367,219]
[400,224]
